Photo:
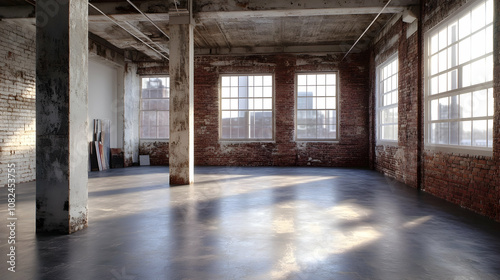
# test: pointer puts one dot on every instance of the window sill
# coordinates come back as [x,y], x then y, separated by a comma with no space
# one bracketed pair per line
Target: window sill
[333,141]
[460,150]
[153,140]
[387,143]
[246,141]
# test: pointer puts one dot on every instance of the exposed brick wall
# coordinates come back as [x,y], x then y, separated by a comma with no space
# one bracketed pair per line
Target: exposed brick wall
[157,151]
[469,181]
[351,150]
[399,161]
[17,101]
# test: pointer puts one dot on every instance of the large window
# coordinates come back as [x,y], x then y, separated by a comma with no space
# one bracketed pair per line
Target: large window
[459,80]
[387,100]
[247,103]
[317,97]
[154,111]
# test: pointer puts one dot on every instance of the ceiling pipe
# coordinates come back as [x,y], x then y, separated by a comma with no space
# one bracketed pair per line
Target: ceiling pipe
[147,37]
[150,20]
[363,34]
[115,22]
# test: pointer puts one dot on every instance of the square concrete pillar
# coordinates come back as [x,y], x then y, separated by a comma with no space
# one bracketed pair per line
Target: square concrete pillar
[61,116]
[131,101]
[181,68]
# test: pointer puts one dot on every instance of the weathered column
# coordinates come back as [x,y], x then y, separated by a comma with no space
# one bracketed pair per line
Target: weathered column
[181,143]
[61,116]
[131,101]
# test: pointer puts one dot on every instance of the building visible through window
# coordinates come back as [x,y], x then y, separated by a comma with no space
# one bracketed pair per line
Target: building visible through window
[316,117]
[387,100]
[459,80]
[154,111]
[246,110]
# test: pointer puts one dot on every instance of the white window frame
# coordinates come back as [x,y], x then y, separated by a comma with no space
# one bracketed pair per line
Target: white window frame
[381,93]
[459,90]
[222,99]
[144,139]
[337,108]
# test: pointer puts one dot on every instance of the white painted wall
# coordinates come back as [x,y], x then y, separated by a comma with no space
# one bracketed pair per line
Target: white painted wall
[103,99]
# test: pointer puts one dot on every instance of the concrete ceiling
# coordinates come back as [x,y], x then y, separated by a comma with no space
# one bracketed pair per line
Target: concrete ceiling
[234,26]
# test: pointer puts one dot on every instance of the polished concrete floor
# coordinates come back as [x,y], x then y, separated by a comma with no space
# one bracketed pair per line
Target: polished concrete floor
[255,223]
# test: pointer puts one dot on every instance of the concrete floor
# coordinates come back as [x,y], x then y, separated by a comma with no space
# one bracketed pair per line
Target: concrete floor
[256,223]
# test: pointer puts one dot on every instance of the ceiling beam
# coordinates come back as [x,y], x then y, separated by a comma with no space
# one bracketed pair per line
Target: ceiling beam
[321,49]
[296,13]
[263,5]
[158,10]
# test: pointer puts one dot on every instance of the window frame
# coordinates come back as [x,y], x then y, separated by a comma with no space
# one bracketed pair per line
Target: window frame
[273,110]
[161,139]
[337,107]
[378,101]
[428,97]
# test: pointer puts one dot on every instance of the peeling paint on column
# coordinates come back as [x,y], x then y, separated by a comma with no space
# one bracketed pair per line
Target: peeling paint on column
[61,102]
[131,103]
[181,142]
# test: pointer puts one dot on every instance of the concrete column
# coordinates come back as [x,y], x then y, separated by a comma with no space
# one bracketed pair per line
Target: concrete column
[61,116]
[131,101]
[181,68]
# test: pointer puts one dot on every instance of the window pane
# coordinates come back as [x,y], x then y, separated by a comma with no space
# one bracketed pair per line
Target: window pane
[246,107]
[480,103]
[464,51]
[434,85]
[479,40]
[434,44]
[313,101]
[434,109]
[321,90]
[268,92]
[321,79]
[331,79]
[454,133]
[478,17]
[454,107]
[268,81]
[332,131]
[443,133]
[465,133]
[163,118]
[464,26]
[434,133]
[489,68]
[226,81]
[479,135]
[489,11]
[154,122]
[453,80]
[311,131]
[443,108]
[268,104]
[330,103]
[302,80]
[465,105]
[478,71]
[443,61]
[320,103]
[491,103]
[490,133]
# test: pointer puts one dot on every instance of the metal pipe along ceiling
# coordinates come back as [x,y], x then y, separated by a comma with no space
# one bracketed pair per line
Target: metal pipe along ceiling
[148,18]
[126,30]
[363,34]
